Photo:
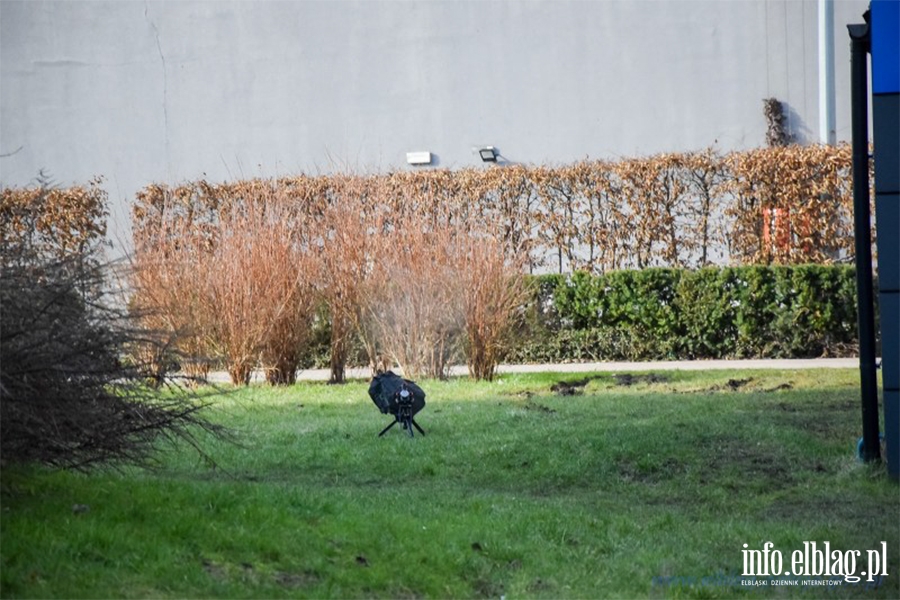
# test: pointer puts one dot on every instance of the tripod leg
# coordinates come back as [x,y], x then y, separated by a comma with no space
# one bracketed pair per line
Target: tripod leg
[417,427]
[383,431]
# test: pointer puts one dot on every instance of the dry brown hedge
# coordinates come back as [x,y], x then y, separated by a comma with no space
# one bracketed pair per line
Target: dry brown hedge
[399,258]
[60,222]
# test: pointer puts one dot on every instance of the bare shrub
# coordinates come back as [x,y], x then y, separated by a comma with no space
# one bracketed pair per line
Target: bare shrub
[228,271]
[174,231]
[69,399]
[166,298]
[493,289]
[417,316]
[352,223]
[293,255]
[449,288]
[253,283]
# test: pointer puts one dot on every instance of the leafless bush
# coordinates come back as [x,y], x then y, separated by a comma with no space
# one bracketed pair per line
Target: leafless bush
[364,235]
[493,289]
[352,225]
[68,396]
[418,311]
[228,271]
[166,299]
[254,282]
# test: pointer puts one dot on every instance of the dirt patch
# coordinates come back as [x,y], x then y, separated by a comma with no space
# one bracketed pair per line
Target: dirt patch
[296,580]
[745,463]
[779,388]
[534,406]
[215,571]
[571,388]
[736,384]
[637,472]
[629,379]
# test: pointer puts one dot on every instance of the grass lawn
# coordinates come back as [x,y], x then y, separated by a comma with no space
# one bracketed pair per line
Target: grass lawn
[642,490]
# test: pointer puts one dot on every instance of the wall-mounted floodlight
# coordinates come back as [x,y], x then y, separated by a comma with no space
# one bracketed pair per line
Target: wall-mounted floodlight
[488,154]
[418,158]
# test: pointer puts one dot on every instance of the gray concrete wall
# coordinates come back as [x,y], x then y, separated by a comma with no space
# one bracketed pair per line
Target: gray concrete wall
[144,92]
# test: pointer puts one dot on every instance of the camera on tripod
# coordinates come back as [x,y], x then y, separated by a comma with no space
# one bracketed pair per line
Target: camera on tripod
[399,397]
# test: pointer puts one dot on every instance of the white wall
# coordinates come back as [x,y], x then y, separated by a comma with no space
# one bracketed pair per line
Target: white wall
[144,92]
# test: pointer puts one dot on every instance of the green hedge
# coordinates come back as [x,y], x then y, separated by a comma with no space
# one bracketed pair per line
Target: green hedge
[676,314]
[653,314]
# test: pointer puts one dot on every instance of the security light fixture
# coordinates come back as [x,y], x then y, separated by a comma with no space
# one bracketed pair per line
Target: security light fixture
[488,154]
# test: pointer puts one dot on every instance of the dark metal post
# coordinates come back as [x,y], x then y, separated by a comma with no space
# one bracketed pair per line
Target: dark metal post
[868,379]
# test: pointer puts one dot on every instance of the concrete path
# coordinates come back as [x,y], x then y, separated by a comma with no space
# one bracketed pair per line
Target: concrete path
[681,365]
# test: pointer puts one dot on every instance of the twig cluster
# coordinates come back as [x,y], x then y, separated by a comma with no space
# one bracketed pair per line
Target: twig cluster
[414,278]
[68,395]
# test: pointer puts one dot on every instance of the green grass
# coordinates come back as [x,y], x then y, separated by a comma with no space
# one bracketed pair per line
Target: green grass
[637,491]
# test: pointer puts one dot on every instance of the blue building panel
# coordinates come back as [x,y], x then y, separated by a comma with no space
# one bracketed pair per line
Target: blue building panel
[886,113]
[887,226]
[892,441]
[885,19]
[890,328]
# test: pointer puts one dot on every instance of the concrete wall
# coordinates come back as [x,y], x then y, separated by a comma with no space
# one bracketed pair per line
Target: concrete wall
[144,92]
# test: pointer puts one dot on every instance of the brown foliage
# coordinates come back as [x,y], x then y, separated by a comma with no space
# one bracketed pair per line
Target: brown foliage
[791,205]
[416,315]
[227,269]
[351,223]
[493,290]
[61,222]
[421,264]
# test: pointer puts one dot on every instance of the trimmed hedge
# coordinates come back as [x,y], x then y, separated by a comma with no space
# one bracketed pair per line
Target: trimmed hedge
[711,313]
[674,314]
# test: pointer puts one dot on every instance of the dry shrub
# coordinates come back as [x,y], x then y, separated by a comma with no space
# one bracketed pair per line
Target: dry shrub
[293,257]
[68,398]
[227,271]
[441,284]
[387,253]
[493,289]
[408,274]
[167,280]
[791,205]
[417,312]
[59,222]
[166,299]
[349,268]
[259,301]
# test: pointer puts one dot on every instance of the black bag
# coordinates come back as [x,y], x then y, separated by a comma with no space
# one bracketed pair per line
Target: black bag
[385,392]
[398,396]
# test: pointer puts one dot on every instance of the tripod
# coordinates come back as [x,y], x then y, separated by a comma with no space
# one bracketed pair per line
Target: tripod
[404,414]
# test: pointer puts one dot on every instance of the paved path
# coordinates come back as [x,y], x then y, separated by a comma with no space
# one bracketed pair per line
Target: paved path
[680,365]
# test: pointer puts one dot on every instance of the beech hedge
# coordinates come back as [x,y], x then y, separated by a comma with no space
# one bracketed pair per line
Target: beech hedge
[800,311]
